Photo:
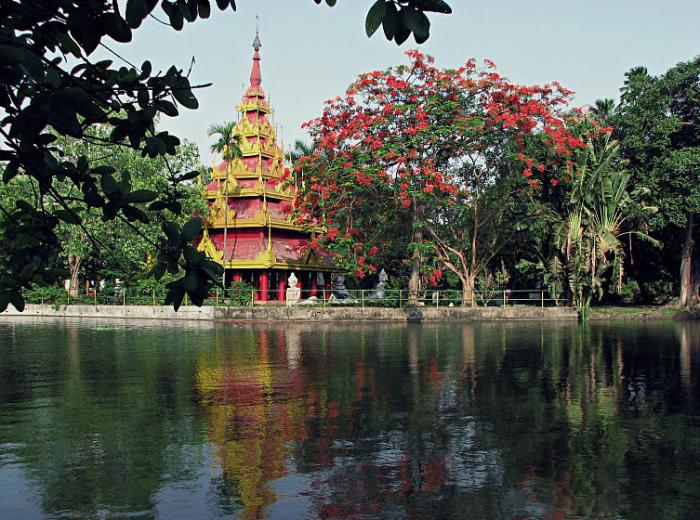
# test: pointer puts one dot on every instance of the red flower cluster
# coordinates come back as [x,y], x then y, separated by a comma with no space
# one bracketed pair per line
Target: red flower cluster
[397,134]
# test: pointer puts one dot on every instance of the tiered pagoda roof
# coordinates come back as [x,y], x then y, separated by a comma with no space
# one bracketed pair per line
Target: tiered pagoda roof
[250,198]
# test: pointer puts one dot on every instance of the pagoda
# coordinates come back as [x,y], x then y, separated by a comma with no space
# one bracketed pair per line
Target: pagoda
[250,230]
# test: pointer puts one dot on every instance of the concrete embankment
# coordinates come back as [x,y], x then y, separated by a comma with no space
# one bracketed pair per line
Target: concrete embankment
[150,312]
[296,313]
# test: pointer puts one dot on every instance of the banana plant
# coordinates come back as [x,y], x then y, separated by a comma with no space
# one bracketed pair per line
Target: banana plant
[601,210]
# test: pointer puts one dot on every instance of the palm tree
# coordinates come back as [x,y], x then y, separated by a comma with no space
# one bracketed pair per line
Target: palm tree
[603,111]
[589,239]
[634,75]
[227,145]
[301,148]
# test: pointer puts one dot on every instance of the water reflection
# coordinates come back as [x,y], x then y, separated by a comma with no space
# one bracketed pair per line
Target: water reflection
[483,420]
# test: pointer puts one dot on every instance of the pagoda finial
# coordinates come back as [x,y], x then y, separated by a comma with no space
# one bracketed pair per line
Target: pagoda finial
[255,76]
[256,41]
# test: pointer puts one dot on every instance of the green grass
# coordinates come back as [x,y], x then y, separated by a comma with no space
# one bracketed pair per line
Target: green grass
[634,311]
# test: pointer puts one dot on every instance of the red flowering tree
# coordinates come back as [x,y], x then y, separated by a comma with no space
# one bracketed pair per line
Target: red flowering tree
[420,146]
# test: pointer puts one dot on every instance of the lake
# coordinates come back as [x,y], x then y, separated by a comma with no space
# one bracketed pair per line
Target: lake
[473,420]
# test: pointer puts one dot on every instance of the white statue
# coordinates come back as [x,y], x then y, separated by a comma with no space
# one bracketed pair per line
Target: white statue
[293,292]
[339,290]
[380,289]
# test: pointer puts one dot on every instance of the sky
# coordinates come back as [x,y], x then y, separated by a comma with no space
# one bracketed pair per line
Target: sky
[313,52]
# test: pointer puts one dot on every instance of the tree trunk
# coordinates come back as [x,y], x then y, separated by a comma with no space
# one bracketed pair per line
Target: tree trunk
[468,286]
[687,298]
[695,283]
[414,279]
[74,268]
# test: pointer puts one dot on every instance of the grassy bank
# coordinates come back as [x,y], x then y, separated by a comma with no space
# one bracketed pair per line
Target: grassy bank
[641,312]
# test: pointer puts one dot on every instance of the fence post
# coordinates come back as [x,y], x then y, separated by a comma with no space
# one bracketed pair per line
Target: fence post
[504,298]
[542,298]
[252,297]
[362,298]
[400,299]
[216,301]
[437,300]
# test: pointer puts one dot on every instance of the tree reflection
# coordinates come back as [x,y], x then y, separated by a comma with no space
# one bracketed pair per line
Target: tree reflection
[483,420]
[102,420]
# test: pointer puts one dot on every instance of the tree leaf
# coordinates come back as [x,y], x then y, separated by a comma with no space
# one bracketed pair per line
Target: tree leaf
[375,15]
[193,257]
[422,38]
[136,11]
[167,107]
[174,14]
[188,176]
[4,301]
[190,281]
[213,270]
[158,270]
[191,229]
[402,32]
[103,170]
[417,22]
[175,295]
[117,28]
[172,232]
[71,217]
[11,170]
[158,205]
[109,184]
[391,20]
[434,6]
[141,196]
[17,300]
[183,94]
[133,213]
[204,8]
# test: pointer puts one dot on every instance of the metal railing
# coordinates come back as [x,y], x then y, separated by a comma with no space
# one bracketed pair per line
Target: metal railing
[244,297]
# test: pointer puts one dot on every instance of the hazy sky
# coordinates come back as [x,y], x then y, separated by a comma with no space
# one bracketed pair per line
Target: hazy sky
[311,53]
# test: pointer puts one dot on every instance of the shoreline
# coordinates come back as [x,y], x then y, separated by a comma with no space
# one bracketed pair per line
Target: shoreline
[303,313]
[296,313]
[641,313]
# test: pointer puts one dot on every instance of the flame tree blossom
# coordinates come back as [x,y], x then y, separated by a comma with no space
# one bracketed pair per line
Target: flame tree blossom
[414,147]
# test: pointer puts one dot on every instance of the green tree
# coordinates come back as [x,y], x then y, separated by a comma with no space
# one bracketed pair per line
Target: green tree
[97,244]
[424,146]
[658,124]
[600,213]
[227,146]
[51,85]
[603,111]
[300,149]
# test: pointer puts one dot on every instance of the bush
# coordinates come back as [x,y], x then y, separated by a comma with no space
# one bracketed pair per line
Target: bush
[630,291]
[49,294]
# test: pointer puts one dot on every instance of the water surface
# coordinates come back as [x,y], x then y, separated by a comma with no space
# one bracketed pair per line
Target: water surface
[481,420]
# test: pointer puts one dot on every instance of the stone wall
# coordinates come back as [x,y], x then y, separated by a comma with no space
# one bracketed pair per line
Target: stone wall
[302,313]
[150,312]
[298,313]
